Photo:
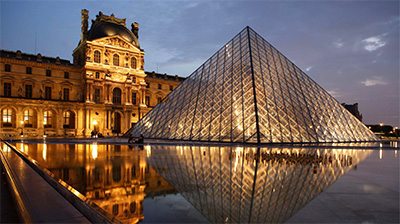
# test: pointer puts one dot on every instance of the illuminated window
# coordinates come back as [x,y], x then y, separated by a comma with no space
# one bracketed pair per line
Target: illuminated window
[116,60]
[132,207]
[7,68]
[7,89]
[115,209]
[117,96]
[68,119]
[28,70]
[97,56]
[116,173]
[133,171]
[47,92]
[7,118]
[28,118]
[134,99]
[47,119]
[28,91]
[96,173]
[96,96]
[133,63]
[66,94]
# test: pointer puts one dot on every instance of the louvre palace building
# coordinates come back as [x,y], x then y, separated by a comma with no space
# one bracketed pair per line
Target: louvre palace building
[105,89]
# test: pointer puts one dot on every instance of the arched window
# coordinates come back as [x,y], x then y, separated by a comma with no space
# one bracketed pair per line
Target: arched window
[28,118]
[97,57]
[133,63]
[116,59]
[47,121]
[117,96]
[7,118]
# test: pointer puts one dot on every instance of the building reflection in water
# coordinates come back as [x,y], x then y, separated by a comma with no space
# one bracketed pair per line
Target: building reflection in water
[255,185]
[115,177]
[226,184]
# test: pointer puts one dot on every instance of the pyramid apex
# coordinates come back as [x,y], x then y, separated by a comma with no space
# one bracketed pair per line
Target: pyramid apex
[251,93]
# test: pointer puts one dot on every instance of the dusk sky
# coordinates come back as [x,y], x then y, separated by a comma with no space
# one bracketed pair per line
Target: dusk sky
[350,48]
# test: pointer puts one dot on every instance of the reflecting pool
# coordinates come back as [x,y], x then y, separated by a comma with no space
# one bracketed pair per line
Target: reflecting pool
[197,183]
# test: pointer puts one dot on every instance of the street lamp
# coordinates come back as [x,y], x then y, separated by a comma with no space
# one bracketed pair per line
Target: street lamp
[381,124]
[396,132]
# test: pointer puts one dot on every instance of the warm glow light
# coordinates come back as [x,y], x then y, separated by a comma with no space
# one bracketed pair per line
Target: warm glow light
[22,122]
[148,150]
[94,150]
[380,153]
[94,122]
[8,149]
[381,124]
[44,153]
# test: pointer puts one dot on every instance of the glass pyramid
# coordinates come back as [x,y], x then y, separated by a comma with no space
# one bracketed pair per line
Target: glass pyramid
[249,92]
[251,185]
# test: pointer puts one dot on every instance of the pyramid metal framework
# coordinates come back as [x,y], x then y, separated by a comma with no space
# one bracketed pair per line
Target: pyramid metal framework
[251,185]
[249,92]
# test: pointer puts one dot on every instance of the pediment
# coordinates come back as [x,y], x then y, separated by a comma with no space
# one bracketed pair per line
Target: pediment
[116,41]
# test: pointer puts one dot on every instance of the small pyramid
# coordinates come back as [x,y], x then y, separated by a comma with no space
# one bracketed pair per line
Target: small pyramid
[251,93]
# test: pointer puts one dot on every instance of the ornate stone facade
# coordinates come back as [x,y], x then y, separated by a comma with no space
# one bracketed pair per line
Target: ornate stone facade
[105,89]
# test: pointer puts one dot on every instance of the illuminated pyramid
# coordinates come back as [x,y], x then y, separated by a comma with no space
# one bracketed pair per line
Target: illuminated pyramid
[249,92]
[251,185]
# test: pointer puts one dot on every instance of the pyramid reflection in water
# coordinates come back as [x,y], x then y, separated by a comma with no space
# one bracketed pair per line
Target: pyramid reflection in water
[252,185]
[249,92]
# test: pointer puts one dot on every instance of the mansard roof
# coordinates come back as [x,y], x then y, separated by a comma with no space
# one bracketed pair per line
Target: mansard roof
[18,55]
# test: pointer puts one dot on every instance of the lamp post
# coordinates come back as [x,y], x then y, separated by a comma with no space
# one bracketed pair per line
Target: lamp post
[396,132]
[381,125]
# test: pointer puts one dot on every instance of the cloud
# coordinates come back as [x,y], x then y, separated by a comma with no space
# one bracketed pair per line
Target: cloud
[376,80]
[373,43]
[338,43]
[336,93]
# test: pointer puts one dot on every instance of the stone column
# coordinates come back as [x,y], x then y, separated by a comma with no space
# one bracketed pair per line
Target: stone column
[143,97]
[80,122]
[87,92]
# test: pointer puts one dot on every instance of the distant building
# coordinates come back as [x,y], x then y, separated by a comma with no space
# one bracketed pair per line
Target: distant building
[353,109]
[105,89]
